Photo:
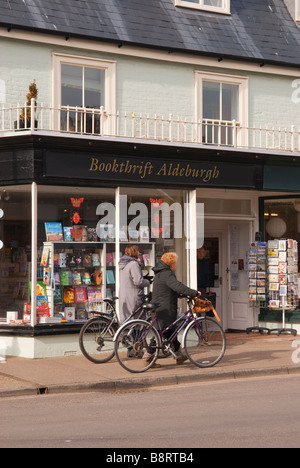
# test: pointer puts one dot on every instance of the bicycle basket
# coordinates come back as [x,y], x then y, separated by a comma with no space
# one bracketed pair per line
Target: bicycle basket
[202,306]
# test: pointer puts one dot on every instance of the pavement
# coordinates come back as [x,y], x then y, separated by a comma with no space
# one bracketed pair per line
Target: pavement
[246,356]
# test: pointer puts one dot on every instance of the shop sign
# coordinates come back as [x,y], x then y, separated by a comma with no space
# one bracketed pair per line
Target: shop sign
[133,169]
[286,178]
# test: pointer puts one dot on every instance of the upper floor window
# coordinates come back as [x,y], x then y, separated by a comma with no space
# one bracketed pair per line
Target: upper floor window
[298,10]
[82,86]
[222,107]
[218,6]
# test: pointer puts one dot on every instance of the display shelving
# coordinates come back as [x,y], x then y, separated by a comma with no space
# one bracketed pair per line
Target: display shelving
[82,274]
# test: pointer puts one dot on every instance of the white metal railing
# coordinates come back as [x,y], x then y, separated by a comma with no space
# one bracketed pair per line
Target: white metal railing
[98,122]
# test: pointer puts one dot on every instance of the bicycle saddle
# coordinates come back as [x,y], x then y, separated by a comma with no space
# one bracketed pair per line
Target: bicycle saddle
[110,299]
[150,306]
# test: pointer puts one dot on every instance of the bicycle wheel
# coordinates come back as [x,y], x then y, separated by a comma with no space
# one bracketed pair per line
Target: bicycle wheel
[96,340]
[204,342]
[136,341]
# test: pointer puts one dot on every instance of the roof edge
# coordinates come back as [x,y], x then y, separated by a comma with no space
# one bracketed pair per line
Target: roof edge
[258,60]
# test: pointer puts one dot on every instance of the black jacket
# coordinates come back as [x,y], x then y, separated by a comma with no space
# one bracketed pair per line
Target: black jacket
[166,289]
[205,278]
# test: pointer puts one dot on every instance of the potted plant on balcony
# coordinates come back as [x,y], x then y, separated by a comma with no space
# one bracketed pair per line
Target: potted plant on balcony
[26,111]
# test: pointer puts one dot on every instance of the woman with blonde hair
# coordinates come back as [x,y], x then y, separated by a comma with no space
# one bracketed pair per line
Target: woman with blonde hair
[132,283]
[166,290]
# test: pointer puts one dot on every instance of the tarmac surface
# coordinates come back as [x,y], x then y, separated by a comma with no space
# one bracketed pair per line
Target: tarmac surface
[246,356]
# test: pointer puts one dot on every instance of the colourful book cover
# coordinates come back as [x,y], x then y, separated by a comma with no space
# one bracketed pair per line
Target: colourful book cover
[54,232]
[94,295]
[80,295]
[110,277]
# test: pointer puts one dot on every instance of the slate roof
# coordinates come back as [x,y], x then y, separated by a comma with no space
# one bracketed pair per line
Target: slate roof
[260,30]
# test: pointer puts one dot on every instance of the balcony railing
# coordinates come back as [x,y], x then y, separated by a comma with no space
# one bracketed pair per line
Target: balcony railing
[99,122]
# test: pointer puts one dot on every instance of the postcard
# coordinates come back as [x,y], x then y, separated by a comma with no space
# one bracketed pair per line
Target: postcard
[273,270]
[261,297]
[252,297]
[273,244]
[261,274]
[272,252]
[282,279]
[274,304]
[282,245]
[282,268]
[282,257]
[283,290]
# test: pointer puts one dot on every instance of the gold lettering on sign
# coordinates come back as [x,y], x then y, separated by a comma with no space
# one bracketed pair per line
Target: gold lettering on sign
[94,165]
[142,169]
[145,169]
[171,170]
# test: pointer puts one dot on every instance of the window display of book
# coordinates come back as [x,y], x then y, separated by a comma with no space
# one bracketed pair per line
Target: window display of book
[79,275]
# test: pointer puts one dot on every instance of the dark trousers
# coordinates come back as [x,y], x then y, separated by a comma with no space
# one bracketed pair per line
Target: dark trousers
[152,345]
[176,343]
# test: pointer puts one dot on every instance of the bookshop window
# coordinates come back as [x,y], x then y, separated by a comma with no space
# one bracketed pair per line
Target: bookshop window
[282,218]
[154,219]
[76,256]
[15,252]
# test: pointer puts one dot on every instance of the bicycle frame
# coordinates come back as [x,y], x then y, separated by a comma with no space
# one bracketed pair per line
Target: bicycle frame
[186,318]
[189,316]
[114,318]
[104,327]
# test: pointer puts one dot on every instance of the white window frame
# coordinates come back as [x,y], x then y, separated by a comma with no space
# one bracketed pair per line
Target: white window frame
[297,10]
[110,80]
[225,9]
[243,83]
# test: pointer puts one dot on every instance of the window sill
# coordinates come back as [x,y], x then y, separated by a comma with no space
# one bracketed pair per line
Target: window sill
[193,6]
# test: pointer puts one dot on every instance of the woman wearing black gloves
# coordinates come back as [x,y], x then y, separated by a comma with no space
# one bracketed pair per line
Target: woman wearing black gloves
[166,290]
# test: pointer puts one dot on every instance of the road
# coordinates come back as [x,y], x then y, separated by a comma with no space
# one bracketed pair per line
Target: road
[261,412]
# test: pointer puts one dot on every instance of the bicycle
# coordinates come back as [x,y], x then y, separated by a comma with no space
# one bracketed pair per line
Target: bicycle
[96,336]
[203,340]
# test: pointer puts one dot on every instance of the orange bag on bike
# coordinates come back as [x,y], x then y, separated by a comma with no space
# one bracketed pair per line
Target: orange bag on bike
[202,306]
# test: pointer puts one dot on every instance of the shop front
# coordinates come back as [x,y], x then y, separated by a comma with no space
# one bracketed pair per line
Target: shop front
[280,220]
[69,208]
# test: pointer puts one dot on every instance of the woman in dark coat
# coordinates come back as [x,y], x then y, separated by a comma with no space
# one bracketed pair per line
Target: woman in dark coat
[166,290]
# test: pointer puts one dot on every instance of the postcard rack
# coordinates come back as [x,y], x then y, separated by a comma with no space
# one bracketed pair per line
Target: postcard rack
[283,279]
[257,272]
[273,279]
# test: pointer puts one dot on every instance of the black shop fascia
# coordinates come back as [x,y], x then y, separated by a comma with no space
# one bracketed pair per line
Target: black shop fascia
[81,161]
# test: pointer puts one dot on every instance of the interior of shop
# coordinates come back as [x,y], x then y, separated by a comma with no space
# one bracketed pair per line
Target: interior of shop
[78,247]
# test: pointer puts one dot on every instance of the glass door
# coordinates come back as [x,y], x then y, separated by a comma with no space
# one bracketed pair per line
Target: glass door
[213,280]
